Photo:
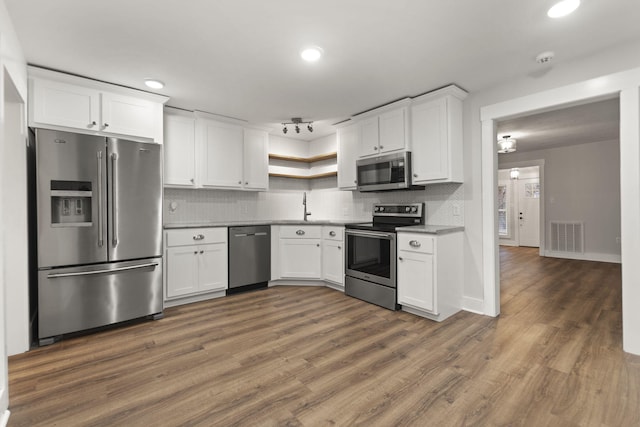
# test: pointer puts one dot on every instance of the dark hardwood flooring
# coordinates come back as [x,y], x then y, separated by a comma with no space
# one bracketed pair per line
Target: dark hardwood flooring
[292,356]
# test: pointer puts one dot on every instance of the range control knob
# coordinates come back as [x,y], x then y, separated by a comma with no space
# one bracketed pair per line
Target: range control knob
[407,209]
[381,208]
[414,209]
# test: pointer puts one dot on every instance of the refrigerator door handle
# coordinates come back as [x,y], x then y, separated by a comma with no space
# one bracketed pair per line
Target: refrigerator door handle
[114,196]
[100,207]
[89,273]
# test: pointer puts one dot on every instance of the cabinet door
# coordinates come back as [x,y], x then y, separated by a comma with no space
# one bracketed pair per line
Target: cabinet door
[300,259]
[415,280]
[393,131]
[333,262]
[66,105]
[212,267]
[182,271]
[179,151]
[430,141]
[348,145]
[256,159]
[127,115]
[221,153]
[369,137]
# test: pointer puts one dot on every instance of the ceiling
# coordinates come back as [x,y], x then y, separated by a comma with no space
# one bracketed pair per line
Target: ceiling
[580,124]
[240,58]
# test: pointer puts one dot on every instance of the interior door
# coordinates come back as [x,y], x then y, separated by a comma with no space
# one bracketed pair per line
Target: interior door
[529,212]
[135,199]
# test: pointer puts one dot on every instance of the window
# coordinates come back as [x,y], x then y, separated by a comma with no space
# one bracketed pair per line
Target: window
[532,190]
[503,223]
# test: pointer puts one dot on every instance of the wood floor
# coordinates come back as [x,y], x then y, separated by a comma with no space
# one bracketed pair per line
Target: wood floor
[292,356]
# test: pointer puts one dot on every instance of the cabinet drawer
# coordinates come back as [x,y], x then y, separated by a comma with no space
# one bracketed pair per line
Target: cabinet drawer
[332,233]
[300,231]
[196,236]
[416,243]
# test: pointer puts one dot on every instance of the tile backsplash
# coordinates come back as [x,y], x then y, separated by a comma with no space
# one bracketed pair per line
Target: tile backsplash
[444,203]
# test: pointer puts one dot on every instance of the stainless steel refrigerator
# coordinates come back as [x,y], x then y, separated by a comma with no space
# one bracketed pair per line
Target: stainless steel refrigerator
[97,232]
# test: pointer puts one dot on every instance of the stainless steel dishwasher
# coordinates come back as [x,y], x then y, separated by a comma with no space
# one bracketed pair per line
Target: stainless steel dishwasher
[249,258]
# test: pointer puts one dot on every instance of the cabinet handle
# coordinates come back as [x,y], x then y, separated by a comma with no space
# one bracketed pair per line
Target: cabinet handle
[198,237]
[195,252]
[318,244]
[355,181]
[201,252]
[400,258]
[106,125]
[415,175]
[92,124]
[375,148]
[414,243]
[193,181]
[339,247]
[300,232]
[381,147]
[332,233]
[240,182]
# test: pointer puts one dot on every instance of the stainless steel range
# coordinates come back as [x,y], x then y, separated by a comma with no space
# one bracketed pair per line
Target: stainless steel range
[370,258]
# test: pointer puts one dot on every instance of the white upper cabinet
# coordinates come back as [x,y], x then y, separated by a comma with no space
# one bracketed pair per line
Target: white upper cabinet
[179,148]
[221,153]
[348,138]
[229,155]
[436,136]
[256,159]
[384,130]
[61,101]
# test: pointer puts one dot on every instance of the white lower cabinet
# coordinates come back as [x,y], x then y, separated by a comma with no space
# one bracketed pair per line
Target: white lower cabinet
[196,262]
[333,255]
[429,276]
[300,252]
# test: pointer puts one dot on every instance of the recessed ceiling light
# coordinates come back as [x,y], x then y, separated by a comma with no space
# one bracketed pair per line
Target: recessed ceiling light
[154,84]
[311,54]
[563,8]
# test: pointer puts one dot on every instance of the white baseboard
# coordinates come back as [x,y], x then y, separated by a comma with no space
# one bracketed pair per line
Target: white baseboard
[296,282]
[193,298]
[4,419]
[586,256]
[473,305]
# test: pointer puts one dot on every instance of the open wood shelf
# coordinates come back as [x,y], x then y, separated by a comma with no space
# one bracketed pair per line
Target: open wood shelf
[313,159]
[319,175]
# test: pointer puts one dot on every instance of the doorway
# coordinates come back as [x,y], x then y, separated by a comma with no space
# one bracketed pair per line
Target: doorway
[625,86]
[520,218]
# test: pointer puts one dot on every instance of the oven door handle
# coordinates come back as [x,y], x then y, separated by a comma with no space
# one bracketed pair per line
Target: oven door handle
[370,234]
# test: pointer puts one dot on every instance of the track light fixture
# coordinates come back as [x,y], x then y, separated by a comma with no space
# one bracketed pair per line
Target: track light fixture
[297,121]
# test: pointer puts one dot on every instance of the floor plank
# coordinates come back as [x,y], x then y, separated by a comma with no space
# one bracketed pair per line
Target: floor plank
[305,356]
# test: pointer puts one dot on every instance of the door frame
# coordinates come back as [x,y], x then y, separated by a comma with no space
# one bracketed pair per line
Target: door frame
[624,85]
[540,164]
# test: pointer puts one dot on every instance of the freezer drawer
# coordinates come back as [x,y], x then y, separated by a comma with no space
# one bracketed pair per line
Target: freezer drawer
[78,298]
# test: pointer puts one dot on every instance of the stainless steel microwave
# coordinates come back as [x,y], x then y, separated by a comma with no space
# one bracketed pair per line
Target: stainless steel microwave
[385,173]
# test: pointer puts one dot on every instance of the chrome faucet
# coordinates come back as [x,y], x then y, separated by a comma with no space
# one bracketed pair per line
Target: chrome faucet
[304,203]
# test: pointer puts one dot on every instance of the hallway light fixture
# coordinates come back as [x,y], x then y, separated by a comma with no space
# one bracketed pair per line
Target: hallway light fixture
[506,144]
[297,121]
[515,173]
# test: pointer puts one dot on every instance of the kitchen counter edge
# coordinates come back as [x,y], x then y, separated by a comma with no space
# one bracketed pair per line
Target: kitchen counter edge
[253,223]
[430,229]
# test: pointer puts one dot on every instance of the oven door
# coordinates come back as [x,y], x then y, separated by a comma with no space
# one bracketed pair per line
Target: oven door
[371,256]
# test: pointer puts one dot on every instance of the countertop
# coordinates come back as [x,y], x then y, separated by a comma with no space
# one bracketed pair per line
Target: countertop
[431,229]
[261,222]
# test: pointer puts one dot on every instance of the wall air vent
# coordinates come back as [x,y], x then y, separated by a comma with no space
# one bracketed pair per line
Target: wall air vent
[567,236]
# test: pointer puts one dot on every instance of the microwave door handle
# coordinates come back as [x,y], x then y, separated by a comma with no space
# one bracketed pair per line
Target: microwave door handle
[100,207]
[114,198]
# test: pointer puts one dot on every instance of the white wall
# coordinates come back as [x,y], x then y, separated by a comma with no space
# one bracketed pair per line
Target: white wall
[582,183]
[12,66]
